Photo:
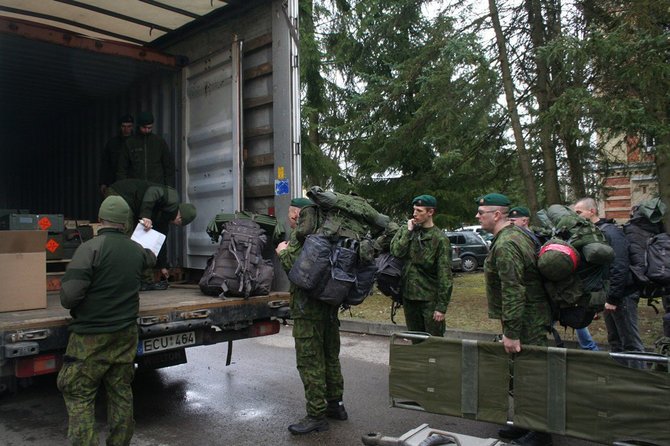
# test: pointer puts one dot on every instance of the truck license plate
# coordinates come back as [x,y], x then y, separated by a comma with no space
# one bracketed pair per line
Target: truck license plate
[167,342]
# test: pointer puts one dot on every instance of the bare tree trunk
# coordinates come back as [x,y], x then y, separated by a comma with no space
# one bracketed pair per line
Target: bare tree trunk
[508,84]
[543,96]
[576,165]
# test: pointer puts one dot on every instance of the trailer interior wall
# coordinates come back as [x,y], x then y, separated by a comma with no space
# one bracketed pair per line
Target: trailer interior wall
[52,144]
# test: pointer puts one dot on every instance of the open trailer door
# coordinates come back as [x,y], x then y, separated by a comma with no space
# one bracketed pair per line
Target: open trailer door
[212,147]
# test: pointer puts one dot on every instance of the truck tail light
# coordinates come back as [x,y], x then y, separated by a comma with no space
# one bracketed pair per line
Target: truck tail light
[38,365]
[265,328]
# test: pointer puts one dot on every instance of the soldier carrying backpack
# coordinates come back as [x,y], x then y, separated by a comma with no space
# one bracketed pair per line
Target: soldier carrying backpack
[650,253]
[575,264]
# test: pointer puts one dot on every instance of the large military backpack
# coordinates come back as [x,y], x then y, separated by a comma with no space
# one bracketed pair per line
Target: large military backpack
[389,276]
[238,267]
[346,215]
[575,263]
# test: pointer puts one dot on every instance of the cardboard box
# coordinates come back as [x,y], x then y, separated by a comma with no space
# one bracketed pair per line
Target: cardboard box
[22,270]
[29,222]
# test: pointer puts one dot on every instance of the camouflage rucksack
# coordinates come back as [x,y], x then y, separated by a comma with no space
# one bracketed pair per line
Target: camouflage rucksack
[348,216]
[238,267]
[576,298]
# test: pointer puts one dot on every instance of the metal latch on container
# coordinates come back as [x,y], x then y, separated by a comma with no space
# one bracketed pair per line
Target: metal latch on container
[278,303]
[151,320]
[198,314]
[31,335]
[21,349]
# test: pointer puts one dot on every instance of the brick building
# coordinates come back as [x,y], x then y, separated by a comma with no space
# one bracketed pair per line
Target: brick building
[629,178]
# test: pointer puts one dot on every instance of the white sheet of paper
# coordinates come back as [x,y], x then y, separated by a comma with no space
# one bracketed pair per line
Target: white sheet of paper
[150,239]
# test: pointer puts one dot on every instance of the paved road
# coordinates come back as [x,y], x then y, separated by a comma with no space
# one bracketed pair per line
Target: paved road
[250,402]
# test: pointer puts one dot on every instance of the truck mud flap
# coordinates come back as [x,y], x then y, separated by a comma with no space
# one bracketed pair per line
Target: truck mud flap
[162,359]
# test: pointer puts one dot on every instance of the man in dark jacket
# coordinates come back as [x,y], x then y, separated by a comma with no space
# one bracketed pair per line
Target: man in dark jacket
[156,206]
[109,161]
[647,221]
[100,289]
[622,297]
[146,156]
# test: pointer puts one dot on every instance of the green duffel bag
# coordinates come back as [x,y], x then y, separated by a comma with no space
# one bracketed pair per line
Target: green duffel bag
[598,253]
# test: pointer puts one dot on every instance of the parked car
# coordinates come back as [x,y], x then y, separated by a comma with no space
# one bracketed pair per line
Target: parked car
[487,236]
[471,248]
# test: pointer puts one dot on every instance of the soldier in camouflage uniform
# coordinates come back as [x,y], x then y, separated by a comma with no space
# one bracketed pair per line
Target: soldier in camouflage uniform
[100,287]
[515,293]
[426,277]
[317,337]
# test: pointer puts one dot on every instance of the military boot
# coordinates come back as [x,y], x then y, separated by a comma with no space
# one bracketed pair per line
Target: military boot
[336,410]
[309,424]
[534,439]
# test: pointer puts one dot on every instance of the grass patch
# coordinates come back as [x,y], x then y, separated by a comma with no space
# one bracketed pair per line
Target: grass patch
[468,311]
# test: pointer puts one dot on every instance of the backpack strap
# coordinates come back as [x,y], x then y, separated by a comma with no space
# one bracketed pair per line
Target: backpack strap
[534,238]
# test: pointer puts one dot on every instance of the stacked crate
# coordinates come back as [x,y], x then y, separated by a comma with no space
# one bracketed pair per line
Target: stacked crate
[63,238]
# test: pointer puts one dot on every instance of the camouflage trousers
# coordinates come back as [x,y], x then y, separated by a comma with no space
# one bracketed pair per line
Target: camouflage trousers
[91,360]
[419,317]
[317,348]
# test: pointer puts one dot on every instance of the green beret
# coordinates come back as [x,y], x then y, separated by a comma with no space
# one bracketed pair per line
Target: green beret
[519,211]
[425,200]
[187,212]
[493,200]
[301,202]
[145,118]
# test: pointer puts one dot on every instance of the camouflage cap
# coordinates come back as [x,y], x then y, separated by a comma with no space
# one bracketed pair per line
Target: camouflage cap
[519,211]
[425,200]
[301,202]
[493,200]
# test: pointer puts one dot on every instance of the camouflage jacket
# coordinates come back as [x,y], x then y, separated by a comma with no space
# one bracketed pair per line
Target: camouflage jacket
[514,288]
[426,275]
[302,306]
[100,286]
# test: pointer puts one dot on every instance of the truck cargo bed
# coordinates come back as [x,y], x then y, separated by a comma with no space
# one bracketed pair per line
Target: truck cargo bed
[178,297]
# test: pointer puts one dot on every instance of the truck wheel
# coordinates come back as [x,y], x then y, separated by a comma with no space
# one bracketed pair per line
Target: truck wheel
[469,263]
[8,385]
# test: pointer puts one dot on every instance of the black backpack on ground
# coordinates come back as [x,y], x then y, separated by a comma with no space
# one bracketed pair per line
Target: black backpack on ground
[238,267]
